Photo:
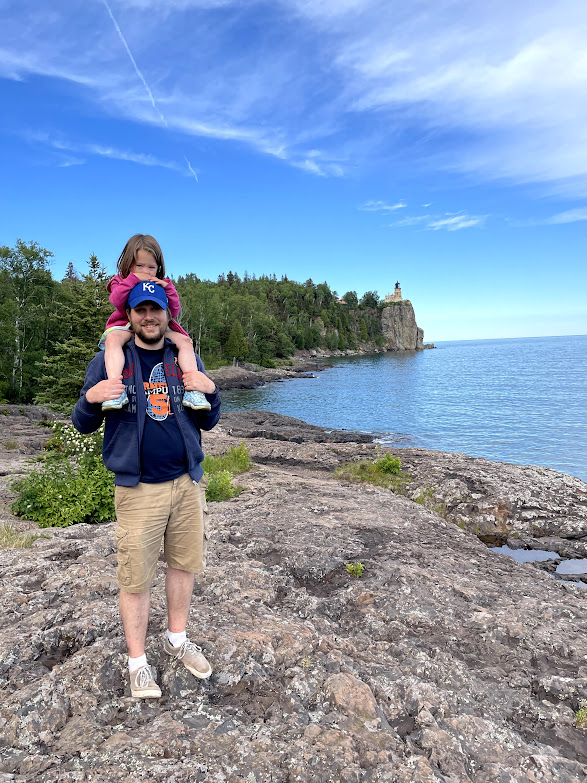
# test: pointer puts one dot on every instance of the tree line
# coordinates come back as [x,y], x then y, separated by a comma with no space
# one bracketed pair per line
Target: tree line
[50,328]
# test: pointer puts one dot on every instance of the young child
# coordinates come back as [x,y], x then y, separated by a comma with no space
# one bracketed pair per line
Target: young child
[140,261]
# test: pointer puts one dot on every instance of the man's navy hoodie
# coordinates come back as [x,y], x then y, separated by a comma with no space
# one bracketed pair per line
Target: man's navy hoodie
[124,428]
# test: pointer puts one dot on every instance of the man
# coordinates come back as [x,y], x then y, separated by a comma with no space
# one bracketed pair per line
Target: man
[154,449]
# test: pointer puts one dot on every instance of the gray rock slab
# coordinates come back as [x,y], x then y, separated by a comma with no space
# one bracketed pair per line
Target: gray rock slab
[443,662]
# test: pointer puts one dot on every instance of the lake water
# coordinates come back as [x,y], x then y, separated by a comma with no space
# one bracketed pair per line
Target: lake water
[519,400]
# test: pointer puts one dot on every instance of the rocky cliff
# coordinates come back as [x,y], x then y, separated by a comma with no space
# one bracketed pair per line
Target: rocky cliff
[443,663]
[399,327]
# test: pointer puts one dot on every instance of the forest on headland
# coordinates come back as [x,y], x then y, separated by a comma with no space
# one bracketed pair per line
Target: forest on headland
[50,328]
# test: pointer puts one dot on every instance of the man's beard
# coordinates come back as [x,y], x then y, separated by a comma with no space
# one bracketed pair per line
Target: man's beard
[149,337]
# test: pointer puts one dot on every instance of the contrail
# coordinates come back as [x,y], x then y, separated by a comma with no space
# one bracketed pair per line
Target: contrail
[142,78]
[135,66]
[191,169]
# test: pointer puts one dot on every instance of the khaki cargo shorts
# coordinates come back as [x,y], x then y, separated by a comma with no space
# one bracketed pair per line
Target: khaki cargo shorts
[174,511]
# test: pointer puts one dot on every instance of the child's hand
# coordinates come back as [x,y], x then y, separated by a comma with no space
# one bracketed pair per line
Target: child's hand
[162,283]
[146,277]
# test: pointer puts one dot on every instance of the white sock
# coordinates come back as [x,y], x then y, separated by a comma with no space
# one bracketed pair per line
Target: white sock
[136,663]
[175,639]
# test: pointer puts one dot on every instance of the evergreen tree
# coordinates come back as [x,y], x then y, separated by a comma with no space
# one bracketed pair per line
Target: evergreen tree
[369,300]
[351,299]
[236,347]
[85,312]
[363,333]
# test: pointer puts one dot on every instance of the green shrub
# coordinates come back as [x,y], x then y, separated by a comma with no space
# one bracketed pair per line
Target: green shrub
[63,493]
[10,445]
[221,470]
[72,484]
[220,487]
[389,464]
[66,441]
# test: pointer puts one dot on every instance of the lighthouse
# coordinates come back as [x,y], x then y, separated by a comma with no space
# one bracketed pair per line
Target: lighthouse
[396,296]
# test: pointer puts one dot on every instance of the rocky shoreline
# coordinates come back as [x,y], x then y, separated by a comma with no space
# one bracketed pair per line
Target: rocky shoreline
[251,376]
[444,662]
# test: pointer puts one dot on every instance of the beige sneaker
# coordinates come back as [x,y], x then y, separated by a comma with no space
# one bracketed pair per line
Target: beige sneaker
[142,684]
[191,656]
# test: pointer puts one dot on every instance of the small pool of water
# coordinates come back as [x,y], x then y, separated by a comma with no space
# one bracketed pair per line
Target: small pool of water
[572,567]
[529,555]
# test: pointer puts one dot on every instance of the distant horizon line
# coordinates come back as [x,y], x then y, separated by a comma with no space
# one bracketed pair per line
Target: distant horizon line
[487,339]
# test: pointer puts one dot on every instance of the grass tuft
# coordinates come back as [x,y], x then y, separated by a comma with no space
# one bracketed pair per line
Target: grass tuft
[236,460]
[12,539]
[385,472]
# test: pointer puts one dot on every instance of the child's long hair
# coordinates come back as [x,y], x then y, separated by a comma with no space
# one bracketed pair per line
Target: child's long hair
[129,254]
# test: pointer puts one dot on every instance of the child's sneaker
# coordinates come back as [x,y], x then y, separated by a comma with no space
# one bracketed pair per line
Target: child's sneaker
[196,400]
[115,405]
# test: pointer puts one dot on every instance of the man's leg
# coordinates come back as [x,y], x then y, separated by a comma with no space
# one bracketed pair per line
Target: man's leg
[179,586]
[134,611]
[186,524]
[142,513]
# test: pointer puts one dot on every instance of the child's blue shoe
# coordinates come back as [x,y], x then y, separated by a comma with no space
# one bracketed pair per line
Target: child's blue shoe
[115,405]
[196,401]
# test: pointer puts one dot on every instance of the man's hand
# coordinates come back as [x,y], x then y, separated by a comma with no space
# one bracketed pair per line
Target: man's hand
[109,389]
[194,380]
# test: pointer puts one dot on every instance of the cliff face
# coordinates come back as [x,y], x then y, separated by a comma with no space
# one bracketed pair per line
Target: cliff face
[399,327]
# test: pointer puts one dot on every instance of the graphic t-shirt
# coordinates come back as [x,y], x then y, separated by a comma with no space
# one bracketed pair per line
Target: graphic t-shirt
[163,456]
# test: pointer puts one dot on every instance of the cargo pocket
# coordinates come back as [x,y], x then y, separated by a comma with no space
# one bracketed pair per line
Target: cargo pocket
[123,572]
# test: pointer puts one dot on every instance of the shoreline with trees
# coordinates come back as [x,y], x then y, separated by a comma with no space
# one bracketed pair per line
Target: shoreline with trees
[50,328]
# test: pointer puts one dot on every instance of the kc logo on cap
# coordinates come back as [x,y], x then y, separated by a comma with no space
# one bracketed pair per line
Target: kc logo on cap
[147,291]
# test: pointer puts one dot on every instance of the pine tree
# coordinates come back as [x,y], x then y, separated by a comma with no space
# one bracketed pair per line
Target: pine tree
[85,311]
[236,346]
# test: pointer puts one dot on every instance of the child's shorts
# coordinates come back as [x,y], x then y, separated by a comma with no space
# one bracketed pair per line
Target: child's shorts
[102,342]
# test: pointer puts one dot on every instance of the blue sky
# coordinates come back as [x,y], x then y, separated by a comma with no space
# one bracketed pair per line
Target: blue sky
[440,143]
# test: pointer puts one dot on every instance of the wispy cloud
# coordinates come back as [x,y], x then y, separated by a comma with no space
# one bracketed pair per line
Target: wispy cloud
[70,161]
[446,222]
[288,76]
[381,206]
[73,149]
[570,216]
[457,222]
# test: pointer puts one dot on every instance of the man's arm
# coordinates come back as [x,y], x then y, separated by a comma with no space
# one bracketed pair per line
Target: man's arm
[87,414]
[199,381]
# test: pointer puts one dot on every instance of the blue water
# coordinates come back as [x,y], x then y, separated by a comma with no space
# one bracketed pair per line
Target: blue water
[519,400]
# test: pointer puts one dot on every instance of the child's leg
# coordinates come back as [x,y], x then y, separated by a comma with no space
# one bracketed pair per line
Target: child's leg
[113,353]
[114,361]
[186,357]
[187,363]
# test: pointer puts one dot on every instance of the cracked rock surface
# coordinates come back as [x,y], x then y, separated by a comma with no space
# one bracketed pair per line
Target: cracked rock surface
[443,663]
